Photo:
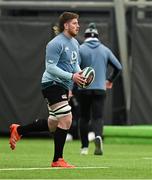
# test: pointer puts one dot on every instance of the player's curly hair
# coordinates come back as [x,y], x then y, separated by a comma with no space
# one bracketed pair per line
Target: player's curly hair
[65,17]
[56,29]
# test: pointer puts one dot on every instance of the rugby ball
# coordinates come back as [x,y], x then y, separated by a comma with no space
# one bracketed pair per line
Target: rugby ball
[89,74]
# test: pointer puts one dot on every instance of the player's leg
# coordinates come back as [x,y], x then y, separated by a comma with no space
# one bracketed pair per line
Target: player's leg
[38,125]
[98,123]
[85,103]
[17,131]
[62,111]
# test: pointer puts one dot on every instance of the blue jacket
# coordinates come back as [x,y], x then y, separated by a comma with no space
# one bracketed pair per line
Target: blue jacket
[93,53]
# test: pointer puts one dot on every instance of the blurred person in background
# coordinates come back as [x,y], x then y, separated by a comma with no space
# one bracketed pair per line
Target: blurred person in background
[73,132]
[92,99]
[61,70]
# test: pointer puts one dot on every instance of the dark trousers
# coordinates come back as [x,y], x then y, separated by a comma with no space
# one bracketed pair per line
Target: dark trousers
[91,108]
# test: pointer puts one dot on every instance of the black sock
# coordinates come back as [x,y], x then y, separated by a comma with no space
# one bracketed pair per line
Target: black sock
[59,141]
[84,133]
[37,126]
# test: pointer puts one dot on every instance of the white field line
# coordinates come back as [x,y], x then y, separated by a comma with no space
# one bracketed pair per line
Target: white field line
[49,168]
[148,158]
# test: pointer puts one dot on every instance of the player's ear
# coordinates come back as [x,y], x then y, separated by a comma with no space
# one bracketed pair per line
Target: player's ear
[66,26]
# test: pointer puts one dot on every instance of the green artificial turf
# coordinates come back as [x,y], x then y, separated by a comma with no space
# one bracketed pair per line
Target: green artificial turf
[124,158]
[129,131]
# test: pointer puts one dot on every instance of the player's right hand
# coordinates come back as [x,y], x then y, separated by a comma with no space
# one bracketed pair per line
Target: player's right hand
[78,78]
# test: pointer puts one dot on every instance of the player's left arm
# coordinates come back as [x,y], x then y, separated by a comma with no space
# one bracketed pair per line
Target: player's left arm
[116,66]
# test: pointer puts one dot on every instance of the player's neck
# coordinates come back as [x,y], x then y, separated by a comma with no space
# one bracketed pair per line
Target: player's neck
[67,34]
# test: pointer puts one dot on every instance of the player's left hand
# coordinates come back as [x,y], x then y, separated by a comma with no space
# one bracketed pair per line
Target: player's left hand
[109,84]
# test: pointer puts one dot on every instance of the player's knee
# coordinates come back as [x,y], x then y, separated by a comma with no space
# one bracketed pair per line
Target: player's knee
[65,122]
[52,124]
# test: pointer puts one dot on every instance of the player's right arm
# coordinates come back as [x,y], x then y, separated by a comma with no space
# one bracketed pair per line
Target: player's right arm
[53,53]
[78,78]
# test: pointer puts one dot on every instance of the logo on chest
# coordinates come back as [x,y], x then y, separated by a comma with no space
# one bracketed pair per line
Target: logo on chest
[73,57]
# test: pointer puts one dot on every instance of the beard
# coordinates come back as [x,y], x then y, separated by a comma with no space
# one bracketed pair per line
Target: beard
[73,33]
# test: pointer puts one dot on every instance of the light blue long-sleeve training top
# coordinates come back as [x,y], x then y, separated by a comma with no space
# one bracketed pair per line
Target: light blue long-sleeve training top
[93,53]
[62,57]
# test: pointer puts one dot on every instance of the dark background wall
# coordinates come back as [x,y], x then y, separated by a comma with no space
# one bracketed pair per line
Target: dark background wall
[141,101]
[22,50]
